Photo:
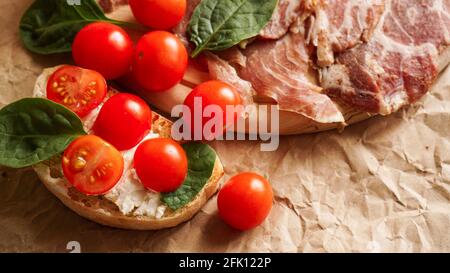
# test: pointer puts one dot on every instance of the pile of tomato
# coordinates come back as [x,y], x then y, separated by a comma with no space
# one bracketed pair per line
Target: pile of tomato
[93,164]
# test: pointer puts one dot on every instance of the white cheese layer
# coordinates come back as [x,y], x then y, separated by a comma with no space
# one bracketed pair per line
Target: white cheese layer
[129,195]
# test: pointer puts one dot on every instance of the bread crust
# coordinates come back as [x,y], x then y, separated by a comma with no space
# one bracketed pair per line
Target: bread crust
[104,212]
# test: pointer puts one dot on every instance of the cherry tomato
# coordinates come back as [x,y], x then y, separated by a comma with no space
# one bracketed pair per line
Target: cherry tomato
[160,61]
[212,93]
[161,164]
[105,48]
[92,165]
[123,121]
[78,89]
[158,14]
[245,201]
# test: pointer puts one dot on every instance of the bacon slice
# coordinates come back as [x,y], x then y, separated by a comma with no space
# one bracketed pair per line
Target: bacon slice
[399,63]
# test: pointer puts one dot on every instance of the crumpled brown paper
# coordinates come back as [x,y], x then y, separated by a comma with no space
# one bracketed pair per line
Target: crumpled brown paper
[380,186]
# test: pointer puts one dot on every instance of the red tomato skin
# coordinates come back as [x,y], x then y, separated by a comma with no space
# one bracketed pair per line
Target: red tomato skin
[105,48]
[123,121]
[161,164]
[158,14]
[245,201]
[160,61]
[76,87]
[213,93]
[110,165]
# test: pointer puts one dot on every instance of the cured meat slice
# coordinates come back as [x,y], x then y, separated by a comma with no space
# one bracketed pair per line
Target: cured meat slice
[284,16]
[281,70]
[341,24]
[399,63]
[220,69]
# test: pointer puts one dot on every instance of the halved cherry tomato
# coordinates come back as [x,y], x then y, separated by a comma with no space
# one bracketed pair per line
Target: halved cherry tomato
[78,89]
[123,121]
[161,164]
[105,48]
[212,93]
[158,14]
[92,165]
[160,61]
[245,201]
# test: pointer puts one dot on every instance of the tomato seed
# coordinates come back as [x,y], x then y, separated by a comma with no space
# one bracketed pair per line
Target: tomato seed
[79,164]
[66,160]
[103,170]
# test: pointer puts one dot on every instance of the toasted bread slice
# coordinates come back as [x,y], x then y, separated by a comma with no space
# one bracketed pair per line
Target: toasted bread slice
[103,211]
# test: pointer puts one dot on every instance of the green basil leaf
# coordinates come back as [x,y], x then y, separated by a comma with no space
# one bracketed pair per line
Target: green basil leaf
[201,160]
[33,130]
[221,24]
[49,26]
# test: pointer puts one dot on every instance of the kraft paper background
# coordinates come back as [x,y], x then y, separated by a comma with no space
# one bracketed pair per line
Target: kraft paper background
[381,185]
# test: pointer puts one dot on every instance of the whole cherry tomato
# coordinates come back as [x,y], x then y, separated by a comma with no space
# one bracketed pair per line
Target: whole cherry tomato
[158,14]
[123,121]
[160,61]
[105,48]
[161,164]
[245,201]
[212,93]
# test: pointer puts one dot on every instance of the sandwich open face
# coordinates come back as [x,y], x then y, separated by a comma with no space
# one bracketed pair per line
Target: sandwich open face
[129,204]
